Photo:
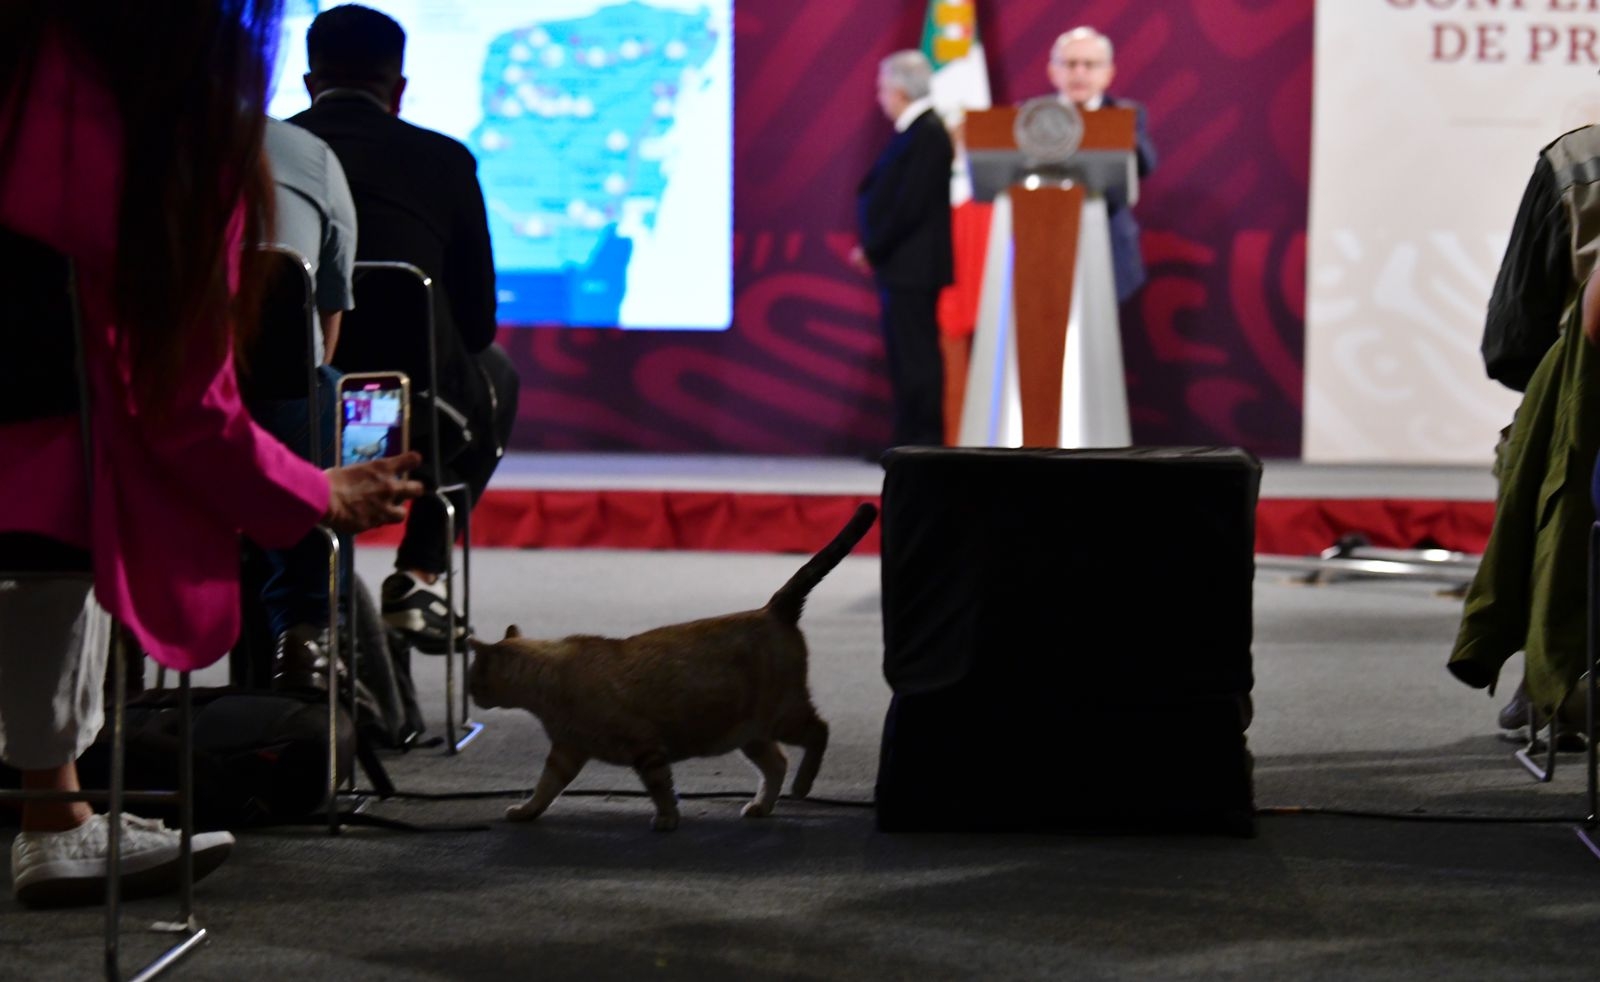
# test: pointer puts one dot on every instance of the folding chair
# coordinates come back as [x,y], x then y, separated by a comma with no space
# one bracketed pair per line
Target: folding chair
[1588,829]
[283,365]
[1543,772]
[39,295]
[392,328]
[1591,820]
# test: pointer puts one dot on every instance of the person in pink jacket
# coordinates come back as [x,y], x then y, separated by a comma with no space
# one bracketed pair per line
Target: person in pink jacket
[130,142]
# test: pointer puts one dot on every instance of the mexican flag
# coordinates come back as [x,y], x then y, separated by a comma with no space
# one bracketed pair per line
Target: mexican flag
[960,82]
[960,74]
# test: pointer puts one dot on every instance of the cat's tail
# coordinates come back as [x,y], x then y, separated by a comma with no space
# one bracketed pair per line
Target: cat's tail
[790,599]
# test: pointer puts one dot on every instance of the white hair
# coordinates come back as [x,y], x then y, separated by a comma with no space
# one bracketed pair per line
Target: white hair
[910,72]
[1086,34]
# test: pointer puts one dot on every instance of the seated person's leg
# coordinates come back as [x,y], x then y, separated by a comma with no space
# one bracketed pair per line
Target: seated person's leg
[504,388]
[414,597]
[295,593]
[53,644]
[295,596]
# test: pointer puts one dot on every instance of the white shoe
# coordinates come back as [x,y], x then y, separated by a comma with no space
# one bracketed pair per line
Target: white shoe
[416,608]
[54,869]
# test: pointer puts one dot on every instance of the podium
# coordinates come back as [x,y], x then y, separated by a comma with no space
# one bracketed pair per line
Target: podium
[1046,367]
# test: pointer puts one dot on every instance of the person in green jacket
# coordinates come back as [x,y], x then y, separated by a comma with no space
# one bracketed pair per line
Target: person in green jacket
[1530,591]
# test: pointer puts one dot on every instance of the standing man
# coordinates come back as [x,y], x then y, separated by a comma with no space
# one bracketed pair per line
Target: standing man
[903,214]
[417,201]
[1081,68]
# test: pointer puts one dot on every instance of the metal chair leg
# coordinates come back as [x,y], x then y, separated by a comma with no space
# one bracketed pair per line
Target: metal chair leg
[452,647]
[450,622]
[353,659]
[194,934]
[1587,831]
[1592,817]
[333,678]
[186,805]
[472,728]
[119,692]
[1541,772]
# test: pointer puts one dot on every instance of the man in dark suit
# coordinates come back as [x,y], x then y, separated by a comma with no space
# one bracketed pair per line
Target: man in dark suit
[903,213]
[417,201]
[1081,69]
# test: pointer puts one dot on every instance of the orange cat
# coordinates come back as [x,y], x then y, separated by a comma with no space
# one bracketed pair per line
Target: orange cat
[735,682]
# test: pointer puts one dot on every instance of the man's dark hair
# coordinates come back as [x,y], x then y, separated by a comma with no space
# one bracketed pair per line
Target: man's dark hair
[357,46]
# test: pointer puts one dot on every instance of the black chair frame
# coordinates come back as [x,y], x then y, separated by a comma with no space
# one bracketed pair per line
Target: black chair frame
[192,935]
[470,729]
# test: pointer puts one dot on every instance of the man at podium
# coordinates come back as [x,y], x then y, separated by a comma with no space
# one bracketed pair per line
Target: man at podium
[1081,69]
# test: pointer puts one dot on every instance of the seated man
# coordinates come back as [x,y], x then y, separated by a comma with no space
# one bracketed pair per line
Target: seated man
[1530,592]
[418,201]
[316,217]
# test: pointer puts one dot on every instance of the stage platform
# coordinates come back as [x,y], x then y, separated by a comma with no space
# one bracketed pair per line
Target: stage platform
[794,504]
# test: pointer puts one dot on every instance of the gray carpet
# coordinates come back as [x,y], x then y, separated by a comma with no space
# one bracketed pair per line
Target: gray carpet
[1354,711]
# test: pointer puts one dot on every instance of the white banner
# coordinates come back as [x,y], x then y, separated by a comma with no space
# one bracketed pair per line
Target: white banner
[1428,119]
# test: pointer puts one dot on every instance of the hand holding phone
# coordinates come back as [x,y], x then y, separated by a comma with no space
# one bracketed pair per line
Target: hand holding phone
[365,496]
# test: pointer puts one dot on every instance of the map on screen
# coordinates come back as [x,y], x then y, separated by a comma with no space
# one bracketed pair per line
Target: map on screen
[604,138]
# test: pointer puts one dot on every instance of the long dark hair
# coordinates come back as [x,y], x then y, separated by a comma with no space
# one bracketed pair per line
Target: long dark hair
[190,80]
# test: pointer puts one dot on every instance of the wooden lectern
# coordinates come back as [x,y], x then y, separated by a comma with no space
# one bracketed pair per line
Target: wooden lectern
[1046,366]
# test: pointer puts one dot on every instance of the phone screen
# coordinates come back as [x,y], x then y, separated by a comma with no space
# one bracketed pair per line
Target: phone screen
[373,414]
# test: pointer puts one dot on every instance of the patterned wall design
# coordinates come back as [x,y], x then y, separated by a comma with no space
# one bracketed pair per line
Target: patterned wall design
[1213,345]
[1412,209]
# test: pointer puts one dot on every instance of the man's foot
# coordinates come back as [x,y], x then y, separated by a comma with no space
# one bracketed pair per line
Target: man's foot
[58,869]
[1514,714]
[417,610]
[1514,717]
[301,659]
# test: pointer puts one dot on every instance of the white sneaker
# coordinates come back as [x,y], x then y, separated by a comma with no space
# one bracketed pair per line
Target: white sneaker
[54,869]
[416,608]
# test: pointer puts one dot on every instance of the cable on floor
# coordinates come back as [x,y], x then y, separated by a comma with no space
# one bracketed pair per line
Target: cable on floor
[1272,811]
[599,793]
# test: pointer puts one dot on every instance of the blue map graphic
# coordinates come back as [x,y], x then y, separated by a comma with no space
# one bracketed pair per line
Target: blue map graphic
[571,151]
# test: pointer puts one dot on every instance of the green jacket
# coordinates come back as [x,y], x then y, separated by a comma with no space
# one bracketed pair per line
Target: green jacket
[1529,593]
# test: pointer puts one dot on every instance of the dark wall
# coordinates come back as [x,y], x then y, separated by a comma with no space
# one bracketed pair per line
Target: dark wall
[1213,345]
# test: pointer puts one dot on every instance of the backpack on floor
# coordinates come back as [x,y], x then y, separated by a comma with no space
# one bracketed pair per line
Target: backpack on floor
[260,758]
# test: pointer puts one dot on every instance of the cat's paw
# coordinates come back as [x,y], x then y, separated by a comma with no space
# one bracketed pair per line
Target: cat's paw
[800,788]
[523,813]
[664,823]
[755,809]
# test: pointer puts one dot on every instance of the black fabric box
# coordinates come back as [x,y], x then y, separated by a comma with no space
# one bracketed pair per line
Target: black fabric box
[1067,633]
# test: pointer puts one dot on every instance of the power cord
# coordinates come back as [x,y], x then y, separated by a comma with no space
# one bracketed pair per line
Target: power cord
[599,793]
[1271,811]
[1282,811]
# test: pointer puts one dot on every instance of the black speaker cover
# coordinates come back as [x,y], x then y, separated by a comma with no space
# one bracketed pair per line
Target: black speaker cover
[1067,633]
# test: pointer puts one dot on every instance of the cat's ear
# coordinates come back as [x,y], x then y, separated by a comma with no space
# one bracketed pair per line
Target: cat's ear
[480,646]
[512,632]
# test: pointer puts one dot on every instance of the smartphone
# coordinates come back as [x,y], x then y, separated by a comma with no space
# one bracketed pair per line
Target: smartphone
[374,417]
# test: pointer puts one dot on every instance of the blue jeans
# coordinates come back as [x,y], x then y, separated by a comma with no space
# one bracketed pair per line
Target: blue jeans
[296,590]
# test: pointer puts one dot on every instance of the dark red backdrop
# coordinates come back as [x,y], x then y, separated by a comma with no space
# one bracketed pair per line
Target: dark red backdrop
[1213,344]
